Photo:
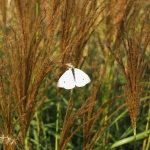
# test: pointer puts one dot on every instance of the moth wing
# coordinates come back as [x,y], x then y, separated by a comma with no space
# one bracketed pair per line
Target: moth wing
[66,80]
[81,78]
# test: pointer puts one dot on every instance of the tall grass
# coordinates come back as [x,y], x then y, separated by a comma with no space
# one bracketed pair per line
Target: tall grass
[109,40]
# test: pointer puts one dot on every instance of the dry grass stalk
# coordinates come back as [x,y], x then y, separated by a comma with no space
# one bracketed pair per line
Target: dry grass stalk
[75,33]
[77,20]
[70,121]
[127,35]
[134,70]
[25,64]
[87,129]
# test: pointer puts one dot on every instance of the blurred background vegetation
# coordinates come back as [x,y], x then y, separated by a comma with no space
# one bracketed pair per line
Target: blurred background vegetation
[109,40]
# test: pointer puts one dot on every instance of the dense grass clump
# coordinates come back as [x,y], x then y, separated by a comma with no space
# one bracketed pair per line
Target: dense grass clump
[109,40]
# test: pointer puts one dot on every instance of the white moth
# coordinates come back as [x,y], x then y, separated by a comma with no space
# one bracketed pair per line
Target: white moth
[73,77]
